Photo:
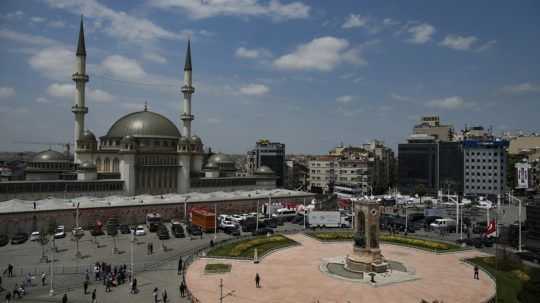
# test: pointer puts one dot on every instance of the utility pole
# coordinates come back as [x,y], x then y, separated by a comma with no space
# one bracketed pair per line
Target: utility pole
[131,253]
[305,213]
[77,236]
[257,217]
[51,289]
[215,221]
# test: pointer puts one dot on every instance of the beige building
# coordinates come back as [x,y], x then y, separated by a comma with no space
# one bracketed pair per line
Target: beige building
[524,144]
[431,125]
[322,173]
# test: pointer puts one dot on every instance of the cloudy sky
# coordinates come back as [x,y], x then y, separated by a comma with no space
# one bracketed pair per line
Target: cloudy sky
[310,74]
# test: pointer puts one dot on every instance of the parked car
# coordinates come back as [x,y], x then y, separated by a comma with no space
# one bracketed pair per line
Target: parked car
[233,231]
[4,240]
[163,232]
[139,231]
[96,231]
[194,230]
[35,236]
[78,232]
[272,223]
[178,230]
[262,231]
[227,224]
[19,238]
[124,229]
[60,232]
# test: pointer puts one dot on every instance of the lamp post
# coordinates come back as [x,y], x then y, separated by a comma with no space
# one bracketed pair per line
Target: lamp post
[511,197]
[215,221]
[77,236]
[305,212]
[257,217]
[51,289]
[131,253]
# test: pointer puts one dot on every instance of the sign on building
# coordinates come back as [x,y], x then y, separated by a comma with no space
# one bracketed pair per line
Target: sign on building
[522,174]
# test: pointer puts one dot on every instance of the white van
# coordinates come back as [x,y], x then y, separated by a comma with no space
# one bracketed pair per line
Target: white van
[443,223]
[284,213]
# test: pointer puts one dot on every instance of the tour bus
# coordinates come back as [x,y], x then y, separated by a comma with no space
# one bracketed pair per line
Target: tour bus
[153,221]
[284,214]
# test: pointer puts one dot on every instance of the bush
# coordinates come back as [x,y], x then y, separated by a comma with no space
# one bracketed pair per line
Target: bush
[245,248]
[217,268]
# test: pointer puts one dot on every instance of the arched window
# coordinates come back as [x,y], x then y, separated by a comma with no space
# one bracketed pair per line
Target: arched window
[116,165]
[107,165]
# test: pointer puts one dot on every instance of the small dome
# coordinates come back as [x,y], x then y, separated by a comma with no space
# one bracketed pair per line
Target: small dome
[220,158]
[88,136]
[50,156]
[264,170]
[87,165]
[211,166]
[143,124]
[196,139]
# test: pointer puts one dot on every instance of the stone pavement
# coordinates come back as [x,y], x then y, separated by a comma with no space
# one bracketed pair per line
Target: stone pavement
[293,275]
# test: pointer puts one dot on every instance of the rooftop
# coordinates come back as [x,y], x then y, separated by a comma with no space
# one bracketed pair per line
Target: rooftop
[16,205]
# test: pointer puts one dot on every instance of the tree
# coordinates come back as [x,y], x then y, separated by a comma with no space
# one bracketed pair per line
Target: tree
[420,191]
[43,240]
[112,230]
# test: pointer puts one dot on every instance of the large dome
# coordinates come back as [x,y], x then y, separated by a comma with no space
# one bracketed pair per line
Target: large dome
[50,156]
[143,124]
[220,158]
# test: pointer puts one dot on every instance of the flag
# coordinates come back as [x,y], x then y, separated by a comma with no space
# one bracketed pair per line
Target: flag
[491,230]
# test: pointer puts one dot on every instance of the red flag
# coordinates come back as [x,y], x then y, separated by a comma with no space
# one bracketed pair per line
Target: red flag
[491,230]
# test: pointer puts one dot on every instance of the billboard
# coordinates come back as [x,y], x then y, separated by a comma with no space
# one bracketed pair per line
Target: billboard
[522,175]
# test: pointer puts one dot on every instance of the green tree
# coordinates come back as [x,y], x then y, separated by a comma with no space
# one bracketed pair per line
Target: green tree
[420,191]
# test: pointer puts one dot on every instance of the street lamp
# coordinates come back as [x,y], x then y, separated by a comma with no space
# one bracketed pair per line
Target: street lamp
[77,236]
[51,289]
[131,253]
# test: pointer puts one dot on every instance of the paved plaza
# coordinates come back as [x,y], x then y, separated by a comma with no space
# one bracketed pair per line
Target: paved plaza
[294,275]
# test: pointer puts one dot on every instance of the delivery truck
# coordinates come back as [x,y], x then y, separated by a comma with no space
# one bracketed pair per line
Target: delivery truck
[328,219]
[204,219]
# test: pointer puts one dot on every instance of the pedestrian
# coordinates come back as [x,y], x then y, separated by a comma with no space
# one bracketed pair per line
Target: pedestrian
[476,272]
[8,297]
[155,294]
[257,280]
[164,295]
[151,248]
[96,271]
[211,243]
[10,270]
[107,284]
[1,287]
[64,298]
[134,286]
[182,289]
[85,287]
[87,275]
[180,265]
[43,278]
[94,296]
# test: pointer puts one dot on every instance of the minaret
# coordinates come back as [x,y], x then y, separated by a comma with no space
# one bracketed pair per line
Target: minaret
[80,78]
[187,90]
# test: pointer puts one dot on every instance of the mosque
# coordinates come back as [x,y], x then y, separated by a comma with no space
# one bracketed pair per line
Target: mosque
[142,152]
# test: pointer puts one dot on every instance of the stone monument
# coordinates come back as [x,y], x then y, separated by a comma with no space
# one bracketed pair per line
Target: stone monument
[366,256]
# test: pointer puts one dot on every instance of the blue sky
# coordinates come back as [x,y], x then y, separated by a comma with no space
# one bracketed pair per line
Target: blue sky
[310,74]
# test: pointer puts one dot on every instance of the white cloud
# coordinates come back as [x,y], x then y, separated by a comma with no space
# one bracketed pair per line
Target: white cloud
[154,57]
[450,103]
[390,22]
[117,24]
[420,33]
[53,62]
[344,99]
[353,21]
[6,92]
[26,38]
[522,88]
[43,100]
[486,46]
[67,90]
[400,97]
[37,19]
[254,89]
[122,67]
[459,42]
[210,8]
[322,54]
[247,53]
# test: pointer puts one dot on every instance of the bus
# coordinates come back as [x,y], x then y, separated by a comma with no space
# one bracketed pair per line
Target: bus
[153,221]
[284,214]
[347,191]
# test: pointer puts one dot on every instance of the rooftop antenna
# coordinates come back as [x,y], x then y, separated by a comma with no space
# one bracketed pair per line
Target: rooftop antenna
[145,105]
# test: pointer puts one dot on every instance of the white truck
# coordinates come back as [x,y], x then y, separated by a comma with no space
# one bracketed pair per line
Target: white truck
[328,219]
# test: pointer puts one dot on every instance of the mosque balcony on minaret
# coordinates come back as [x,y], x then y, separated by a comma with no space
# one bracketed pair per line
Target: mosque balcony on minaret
[79,77]
[79,109]
[188,90]
[186,117]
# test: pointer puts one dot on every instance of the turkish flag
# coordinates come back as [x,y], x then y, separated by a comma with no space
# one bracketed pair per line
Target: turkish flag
[491,230]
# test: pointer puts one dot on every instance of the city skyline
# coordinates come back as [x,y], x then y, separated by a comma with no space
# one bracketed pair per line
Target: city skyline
[290,71]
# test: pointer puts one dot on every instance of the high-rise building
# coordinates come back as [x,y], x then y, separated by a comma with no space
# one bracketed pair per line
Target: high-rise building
[271,154]
[322,173]
[485,166]
[532,241]
[418,164]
